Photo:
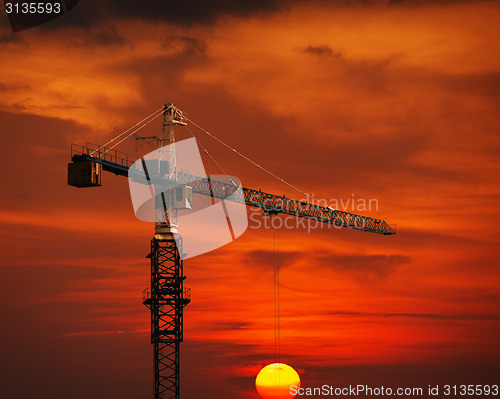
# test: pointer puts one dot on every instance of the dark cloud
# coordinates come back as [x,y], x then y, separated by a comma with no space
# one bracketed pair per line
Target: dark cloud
[323,50]
[93,364]
[265,259]
[187,12]
[4,86]
[106,35]
[225,326]
[429,2]
[429,316]
[101,35]
[57,278]
[185,45]
[192,12]
[380,265]
[7,37]
[465,370]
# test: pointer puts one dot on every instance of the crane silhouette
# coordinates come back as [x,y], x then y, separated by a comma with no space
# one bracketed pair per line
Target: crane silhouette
[167,296]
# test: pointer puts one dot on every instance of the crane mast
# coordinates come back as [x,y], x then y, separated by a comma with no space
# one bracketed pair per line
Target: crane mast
[167,296]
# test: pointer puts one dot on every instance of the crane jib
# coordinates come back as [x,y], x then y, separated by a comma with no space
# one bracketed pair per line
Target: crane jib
[269,203]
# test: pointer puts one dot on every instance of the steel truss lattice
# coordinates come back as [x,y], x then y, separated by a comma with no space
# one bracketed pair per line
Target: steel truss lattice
[166,301]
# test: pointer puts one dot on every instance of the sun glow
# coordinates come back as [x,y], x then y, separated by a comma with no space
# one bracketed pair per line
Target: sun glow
[274,381]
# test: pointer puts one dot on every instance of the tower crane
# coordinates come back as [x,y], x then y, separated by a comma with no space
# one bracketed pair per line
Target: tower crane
[167,296]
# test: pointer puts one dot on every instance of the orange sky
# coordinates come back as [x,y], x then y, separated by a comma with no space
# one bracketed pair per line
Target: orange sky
[395,101]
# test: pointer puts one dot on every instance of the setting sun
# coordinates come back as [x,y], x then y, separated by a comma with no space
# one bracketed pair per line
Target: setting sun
[274,381]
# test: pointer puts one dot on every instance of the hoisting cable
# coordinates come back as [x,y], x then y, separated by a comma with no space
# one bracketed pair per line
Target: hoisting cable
[275,296]
[261,167]
[129,129]
[211,157]
[277,333]
[278,289]
[139,128]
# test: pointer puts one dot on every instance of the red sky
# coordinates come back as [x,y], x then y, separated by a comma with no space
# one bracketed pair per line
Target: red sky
[394,101]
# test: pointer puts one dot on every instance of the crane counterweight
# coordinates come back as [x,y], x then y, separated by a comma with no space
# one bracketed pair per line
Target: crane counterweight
[84,174]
